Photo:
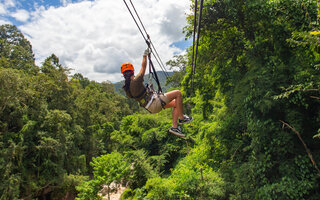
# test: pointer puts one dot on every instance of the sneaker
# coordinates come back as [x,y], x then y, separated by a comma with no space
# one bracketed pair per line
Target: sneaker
[186,119]
[176,131]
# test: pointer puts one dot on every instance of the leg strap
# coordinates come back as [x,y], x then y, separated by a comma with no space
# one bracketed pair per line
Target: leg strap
[163,103]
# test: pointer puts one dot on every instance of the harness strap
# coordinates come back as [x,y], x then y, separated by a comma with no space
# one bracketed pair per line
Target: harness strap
[140,95]
[163,103]
[151,67]
[149,103]
[155,95]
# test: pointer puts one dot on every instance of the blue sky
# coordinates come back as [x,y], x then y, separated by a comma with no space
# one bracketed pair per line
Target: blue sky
[32,5]
[183,44]
[94,37]
[28,5]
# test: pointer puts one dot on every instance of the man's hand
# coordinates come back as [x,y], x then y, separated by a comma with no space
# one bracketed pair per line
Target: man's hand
[147,51]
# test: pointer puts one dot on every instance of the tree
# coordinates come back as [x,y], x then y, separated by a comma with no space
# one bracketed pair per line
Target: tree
[258,59]
[84,81]
[178,62]
[15,50]
[108,168]
[50,127]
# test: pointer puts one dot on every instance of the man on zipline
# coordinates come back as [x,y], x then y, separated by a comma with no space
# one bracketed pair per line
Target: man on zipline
[134,88]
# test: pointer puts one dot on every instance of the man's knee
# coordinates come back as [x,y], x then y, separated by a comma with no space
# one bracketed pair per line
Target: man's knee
[178,93]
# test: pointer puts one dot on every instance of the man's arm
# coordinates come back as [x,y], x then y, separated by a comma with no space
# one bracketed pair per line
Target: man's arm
[144,65]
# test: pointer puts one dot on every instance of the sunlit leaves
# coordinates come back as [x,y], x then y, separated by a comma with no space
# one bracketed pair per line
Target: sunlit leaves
[108,168]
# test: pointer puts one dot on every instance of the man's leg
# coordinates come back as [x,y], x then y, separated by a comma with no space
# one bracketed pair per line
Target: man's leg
[175,116]
[175,99]
[175,102]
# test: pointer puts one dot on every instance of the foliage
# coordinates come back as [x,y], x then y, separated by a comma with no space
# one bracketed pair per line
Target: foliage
[259,60]
[179,63]
[258,68]
[192,178]
[149,146]
[50,127]
[16,51]
[106,169]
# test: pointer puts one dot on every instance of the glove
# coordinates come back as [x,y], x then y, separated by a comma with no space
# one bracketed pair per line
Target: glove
[147,51]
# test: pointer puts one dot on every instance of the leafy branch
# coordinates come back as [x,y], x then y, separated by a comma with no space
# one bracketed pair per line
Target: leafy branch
[298,88]
[304,144]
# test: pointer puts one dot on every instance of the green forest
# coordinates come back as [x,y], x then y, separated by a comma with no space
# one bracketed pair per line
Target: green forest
[254,97]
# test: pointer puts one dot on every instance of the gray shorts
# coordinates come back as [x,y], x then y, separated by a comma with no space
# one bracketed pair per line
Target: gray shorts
[154,105]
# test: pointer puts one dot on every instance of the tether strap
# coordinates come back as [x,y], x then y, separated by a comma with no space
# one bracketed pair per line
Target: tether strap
[154,71]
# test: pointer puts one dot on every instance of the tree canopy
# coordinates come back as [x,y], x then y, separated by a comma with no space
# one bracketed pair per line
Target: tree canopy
[255,100]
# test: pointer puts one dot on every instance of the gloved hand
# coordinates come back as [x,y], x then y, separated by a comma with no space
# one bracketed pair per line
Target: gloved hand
[147,51]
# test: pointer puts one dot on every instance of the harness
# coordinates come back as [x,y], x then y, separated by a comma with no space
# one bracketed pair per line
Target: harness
[149,94]
[142,101]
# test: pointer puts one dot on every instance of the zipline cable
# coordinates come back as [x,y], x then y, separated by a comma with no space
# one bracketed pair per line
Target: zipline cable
[148,40]
[138,17]
[198,36]
[194,36]
[163,68]
[153,72]
[135,21]
[155,50]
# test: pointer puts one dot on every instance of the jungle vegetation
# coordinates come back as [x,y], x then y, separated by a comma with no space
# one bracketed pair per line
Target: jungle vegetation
[255,100]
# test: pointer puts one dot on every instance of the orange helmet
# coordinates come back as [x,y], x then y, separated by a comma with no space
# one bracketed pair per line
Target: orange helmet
[126,66]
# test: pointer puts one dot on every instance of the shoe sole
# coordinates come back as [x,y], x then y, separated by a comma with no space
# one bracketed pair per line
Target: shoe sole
[177,134]
[186,122]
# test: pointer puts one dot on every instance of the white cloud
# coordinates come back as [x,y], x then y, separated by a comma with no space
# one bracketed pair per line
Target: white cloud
[65,2]
[5,5]
[4,21]
[9,3]
[21,15]
[2,9]
[95,37]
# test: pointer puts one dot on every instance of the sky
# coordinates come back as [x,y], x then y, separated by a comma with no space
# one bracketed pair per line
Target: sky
[94,37]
